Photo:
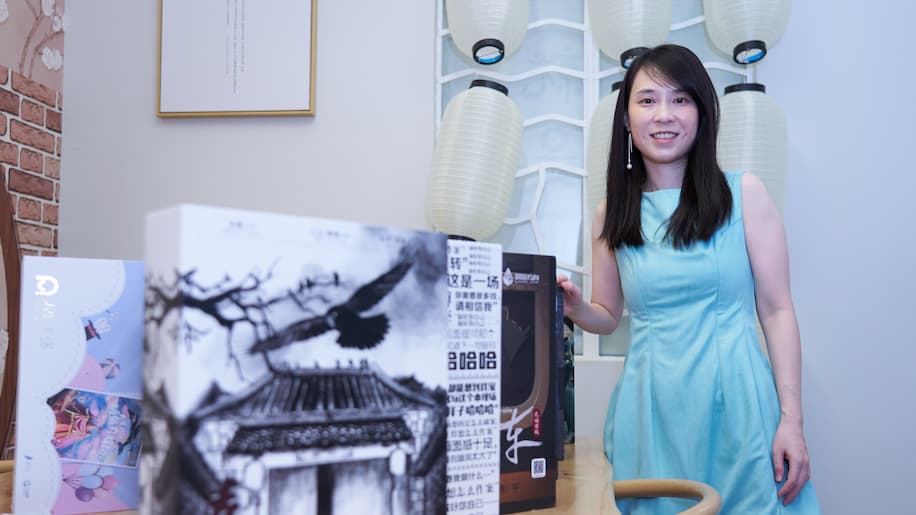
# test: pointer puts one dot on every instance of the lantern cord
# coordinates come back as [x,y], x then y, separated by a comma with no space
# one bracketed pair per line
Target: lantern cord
[751,73]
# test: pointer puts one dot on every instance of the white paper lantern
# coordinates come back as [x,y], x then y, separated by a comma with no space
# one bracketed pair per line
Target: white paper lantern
[623,29]
[753,137]
[487,30]
[745,29]
[474,162]
[597,151]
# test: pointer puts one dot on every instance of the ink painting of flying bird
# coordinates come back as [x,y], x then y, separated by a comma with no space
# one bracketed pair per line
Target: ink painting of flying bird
[355,331]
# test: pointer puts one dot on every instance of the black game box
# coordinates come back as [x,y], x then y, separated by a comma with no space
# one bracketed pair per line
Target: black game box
[528,462]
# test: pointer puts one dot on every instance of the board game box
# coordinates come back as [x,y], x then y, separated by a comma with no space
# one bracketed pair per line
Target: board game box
[80,382]
[293,365]
[528,468]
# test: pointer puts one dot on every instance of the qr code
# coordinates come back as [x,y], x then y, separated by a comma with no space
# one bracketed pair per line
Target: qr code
[538,467]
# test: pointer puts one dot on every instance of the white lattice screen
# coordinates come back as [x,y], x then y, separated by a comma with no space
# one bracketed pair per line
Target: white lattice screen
[557,78]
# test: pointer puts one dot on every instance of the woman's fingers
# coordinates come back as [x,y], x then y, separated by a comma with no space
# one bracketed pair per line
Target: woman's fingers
[798,474]
[779,457]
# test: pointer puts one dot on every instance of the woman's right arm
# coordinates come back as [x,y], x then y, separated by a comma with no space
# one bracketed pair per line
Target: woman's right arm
[603,313]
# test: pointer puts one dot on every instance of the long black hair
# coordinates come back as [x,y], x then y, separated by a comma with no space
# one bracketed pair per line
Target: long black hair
[706,201]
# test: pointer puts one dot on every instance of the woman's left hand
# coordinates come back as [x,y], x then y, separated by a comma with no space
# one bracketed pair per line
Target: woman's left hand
[789,448]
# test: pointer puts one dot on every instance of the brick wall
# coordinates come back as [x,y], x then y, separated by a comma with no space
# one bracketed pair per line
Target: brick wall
[30,132]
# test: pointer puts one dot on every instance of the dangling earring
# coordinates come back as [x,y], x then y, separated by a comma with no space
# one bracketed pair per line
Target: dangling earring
[629,150]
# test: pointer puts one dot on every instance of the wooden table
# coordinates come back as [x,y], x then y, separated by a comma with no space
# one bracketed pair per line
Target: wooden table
[583,487]
[584,482]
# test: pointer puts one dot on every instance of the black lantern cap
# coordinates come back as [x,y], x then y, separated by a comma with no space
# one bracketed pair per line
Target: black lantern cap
[489,84]
[749,52]
[746,86]
[489,51]
[627,58]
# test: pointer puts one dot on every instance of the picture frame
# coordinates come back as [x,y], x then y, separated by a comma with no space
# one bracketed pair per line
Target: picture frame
[236,58]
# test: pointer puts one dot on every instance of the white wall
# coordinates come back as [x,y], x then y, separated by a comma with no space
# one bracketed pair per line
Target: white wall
[843,76]
[365,156]
[595,381]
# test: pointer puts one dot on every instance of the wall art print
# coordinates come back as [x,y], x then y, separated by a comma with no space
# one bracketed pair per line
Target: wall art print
[237,58]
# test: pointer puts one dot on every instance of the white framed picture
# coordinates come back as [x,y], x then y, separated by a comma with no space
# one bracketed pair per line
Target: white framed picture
[236,58]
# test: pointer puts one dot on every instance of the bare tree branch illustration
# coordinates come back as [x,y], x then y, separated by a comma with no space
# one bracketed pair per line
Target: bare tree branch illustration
[305,292]
[229,303]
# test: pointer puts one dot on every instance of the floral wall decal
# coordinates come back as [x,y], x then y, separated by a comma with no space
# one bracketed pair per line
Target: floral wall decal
[51,57]
[32,39]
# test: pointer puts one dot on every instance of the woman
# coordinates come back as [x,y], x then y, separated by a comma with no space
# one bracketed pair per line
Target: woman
[691,251]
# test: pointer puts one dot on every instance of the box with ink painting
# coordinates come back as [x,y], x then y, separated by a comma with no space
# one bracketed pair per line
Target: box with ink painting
[293,365]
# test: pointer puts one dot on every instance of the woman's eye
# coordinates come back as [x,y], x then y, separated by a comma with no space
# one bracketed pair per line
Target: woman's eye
[682,100]
[645,101]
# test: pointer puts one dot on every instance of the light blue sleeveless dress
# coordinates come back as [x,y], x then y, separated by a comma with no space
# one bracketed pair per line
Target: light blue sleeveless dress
[697,398]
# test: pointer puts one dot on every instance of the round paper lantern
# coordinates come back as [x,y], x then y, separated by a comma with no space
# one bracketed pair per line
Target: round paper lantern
[745,28]
[474,162]
[598,150]
[487,30]
[624,29]
[397,462]
[753,137]
[254,475]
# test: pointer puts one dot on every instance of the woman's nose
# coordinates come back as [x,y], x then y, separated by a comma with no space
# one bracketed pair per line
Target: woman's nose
[663,112]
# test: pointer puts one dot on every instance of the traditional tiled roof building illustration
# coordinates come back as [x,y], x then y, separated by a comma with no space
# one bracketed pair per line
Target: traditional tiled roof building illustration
[310,439]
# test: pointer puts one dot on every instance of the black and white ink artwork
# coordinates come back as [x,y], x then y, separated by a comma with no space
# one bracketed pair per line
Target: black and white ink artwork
[298,378]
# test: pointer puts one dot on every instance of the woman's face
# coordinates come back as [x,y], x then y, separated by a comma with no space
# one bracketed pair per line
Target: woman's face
[663,121]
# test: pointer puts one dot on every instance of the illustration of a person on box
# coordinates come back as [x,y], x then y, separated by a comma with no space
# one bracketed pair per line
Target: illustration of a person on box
[94,427]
